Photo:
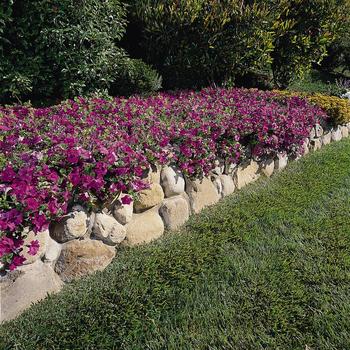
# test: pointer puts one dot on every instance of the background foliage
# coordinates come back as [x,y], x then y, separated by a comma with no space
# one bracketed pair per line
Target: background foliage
[64,48]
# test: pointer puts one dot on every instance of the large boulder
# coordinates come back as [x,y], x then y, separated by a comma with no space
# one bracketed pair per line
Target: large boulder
[42,238]
[144,227]
[246,173]
[172,181]
[108,229]
[175,212]
[27,285]
[149,198]
[201,193]
[123,212]
[81,257]
[74,225]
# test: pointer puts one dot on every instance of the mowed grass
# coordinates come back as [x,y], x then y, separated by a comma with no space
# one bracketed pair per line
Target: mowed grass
[267,268]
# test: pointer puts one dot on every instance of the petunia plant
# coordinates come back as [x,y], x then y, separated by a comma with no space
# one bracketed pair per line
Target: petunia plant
[88,151]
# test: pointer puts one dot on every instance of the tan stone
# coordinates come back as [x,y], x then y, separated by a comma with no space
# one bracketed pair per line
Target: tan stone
[337,134]
[154,175]
[143,228]
[175,212]
[267,167]
[27,285]
[316,144]
[281,161]
[172,181]
[326,138]
[123,212]
[246,173]
[318,130]
[201,193]
[149,198]
[218,184]
[108,229]
[81,257]
[53,250]
[344,131]
[73,226]
[228,185]
[42,237]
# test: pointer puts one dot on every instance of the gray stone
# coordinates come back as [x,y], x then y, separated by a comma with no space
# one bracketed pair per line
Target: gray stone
[337,134]
[82,257]
[74,225]
[246,173]
[174,212]
[281,161]
[172,181]
[144,228]
[267,167]
[228,185]
[42,238]
[27,285]
[123,212]
[149,198]
[201,193]
[108,229]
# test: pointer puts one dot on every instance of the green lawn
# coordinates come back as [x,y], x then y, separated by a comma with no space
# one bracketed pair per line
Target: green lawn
[267,268]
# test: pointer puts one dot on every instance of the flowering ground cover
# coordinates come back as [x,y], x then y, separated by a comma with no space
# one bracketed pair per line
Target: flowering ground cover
[89,151]
[266,268]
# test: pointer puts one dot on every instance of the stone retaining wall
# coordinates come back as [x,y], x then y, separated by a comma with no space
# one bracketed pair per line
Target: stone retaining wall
[83,243]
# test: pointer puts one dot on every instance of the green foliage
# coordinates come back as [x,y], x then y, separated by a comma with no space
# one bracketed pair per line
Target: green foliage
[267,268]
[195,43]
[304,29]
[137,77]
[62,48]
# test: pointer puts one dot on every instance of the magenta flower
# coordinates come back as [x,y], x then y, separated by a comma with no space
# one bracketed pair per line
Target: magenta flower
[18,260]
[126,200]
[33,247]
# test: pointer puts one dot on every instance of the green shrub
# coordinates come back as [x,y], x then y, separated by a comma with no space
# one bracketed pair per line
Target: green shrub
[195,43]
[304,29]
[137,77]
[63,48]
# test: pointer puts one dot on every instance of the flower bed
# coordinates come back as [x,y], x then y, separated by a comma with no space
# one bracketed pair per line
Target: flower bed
[90,151]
